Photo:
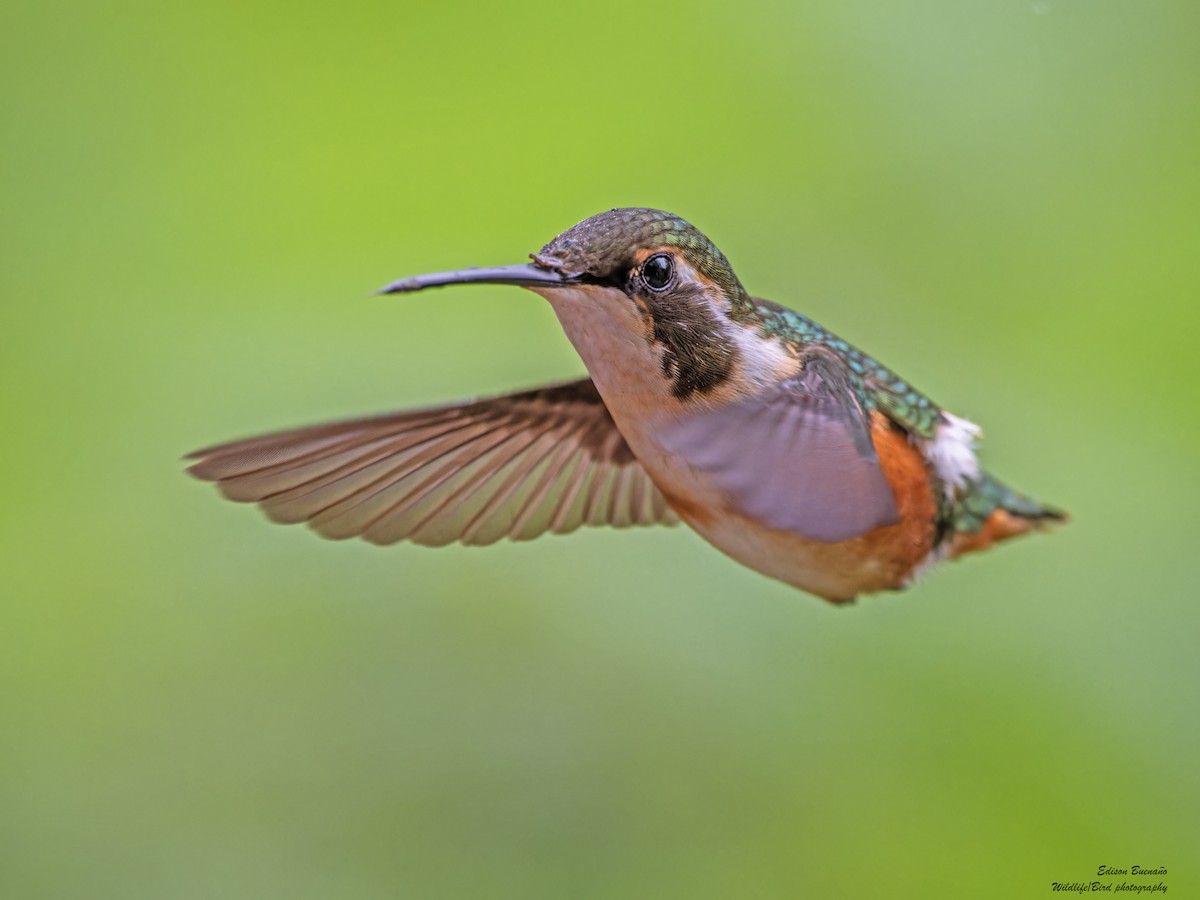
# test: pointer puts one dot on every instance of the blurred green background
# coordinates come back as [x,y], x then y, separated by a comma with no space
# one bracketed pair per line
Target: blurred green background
[998,200]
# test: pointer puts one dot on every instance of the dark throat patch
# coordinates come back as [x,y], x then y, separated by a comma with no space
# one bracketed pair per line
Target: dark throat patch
[697,354]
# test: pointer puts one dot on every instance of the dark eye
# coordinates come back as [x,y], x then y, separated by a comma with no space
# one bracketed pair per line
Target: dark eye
[657,271]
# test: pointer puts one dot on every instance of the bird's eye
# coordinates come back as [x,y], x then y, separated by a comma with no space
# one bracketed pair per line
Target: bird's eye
[657,271]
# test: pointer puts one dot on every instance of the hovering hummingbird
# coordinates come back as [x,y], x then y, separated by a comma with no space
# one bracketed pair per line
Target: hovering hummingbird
[781,444]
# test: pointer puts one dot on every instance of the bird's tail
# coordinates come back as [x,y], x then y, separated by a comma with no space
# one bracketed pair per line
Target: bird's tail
[992,511]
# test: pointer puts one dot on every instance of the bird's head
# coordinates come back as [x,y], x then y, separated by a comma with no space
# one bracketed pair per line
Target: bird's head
[643,270]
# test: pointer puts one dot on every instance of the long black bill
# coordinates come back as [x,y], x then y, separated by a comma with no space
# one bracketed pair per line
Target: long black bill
[524,274]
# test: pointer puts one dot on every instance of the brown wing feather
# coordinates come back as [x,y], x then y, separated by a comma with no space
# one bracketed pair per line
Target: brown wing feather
[513,466]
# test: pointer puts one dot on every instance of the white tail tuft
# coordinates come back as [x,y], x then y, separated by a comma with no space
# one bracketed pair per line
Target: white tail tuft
[952,451]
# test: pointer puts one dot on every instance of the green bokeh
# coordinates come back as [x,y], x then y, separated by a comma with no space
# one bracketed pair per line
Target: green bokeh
[998,200]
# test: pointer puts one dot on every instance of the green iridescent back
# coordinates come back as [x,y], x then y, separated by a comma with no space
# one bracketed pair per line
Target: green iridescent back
[881,388]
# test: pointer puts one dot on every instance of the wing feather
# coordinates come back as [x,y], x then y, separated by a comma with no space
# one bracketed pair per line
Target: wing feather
[513,466]
[798,457]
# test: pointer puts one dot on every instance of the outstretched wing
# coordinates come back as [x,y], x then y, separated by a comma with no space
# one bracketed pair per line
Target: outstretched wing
[798,457]
[513,466]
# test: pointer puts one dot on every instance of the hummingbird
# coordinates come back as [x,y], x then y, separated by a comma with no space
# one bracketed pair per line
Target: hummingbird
[778,442]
